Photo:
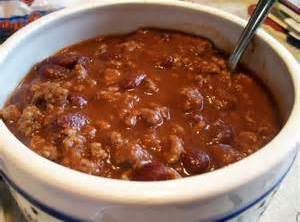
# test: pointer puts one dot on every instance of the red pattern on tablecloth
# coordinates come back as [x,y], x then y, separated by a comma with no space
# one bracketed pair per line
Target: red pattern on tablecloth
[28,2]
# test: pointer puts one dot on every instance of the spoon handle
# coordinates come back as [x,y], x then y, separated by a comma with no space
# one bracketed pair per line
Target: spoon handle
[261,11]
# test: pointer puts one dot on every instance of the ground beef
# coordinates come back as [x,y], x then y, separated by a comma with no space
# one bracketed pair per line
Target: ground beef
[80,72]
[116,138]
[97,151]
[49,95]
[74,159]
[111,94]
[10,113]
[174,149]
[131,46]
[246,141]
[103,125]
[132,154]
[73,140]
[111,76]
[30,120]
[44,148]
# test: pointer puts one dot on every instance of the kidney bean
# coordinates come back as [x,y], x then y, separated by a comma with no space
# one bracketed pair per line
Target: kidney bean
[150,87]
[167,63]
[154,171]
[196,161]
[71,120]
[192,98]
[225,136]
[77,101]
[51,71]
[133,80]
[132,154]
[221,133]
[130,120]
[224,155]
[151,117]
[68,60]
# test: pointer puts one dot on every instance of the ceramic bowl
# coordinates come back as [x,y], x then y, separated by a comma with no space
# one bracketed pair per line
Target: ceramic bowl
[46,191]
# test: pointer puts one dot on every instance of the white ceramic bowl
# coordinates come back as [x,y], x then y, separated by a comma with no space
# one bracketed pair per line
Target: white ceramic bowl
[47,191]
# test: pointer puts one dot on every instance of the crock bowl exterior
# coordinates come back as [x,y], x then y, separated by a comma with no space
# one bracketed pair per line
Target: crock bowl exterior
[240,192]
[36,211]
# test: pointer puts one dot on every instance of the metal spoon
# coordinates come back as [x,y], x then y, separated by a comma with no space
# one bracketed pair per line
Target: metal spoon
[261,11]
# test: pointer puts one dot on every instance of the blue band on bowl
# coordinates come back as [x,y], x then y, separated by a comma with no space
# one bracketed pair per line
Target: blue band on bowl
[256,201]
[62,216]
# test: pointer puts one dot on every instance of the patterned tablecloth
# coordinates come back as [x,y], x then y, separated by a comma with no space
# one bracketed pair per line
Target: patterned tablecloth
[285,207]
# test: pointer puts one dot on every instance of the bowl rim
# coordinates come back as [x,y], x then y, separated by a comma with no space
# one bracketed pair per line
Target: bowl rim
[157,192]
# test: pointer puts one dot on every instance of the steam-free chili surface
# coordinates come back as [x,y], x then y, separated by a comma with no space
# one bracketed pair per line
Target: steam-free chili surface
[150,105]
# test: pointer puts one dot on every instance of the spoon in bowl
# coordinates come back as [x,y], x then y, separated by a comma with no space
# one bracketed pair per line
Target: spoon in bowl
[261,11]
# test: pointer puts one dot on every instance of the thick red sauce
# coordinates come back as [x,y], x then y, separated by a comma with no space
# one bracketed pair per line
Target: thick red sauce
[149,105]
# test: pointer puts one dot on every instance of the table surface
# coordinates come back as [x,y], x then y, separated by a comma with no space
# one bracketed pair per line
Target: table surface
[285,207]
